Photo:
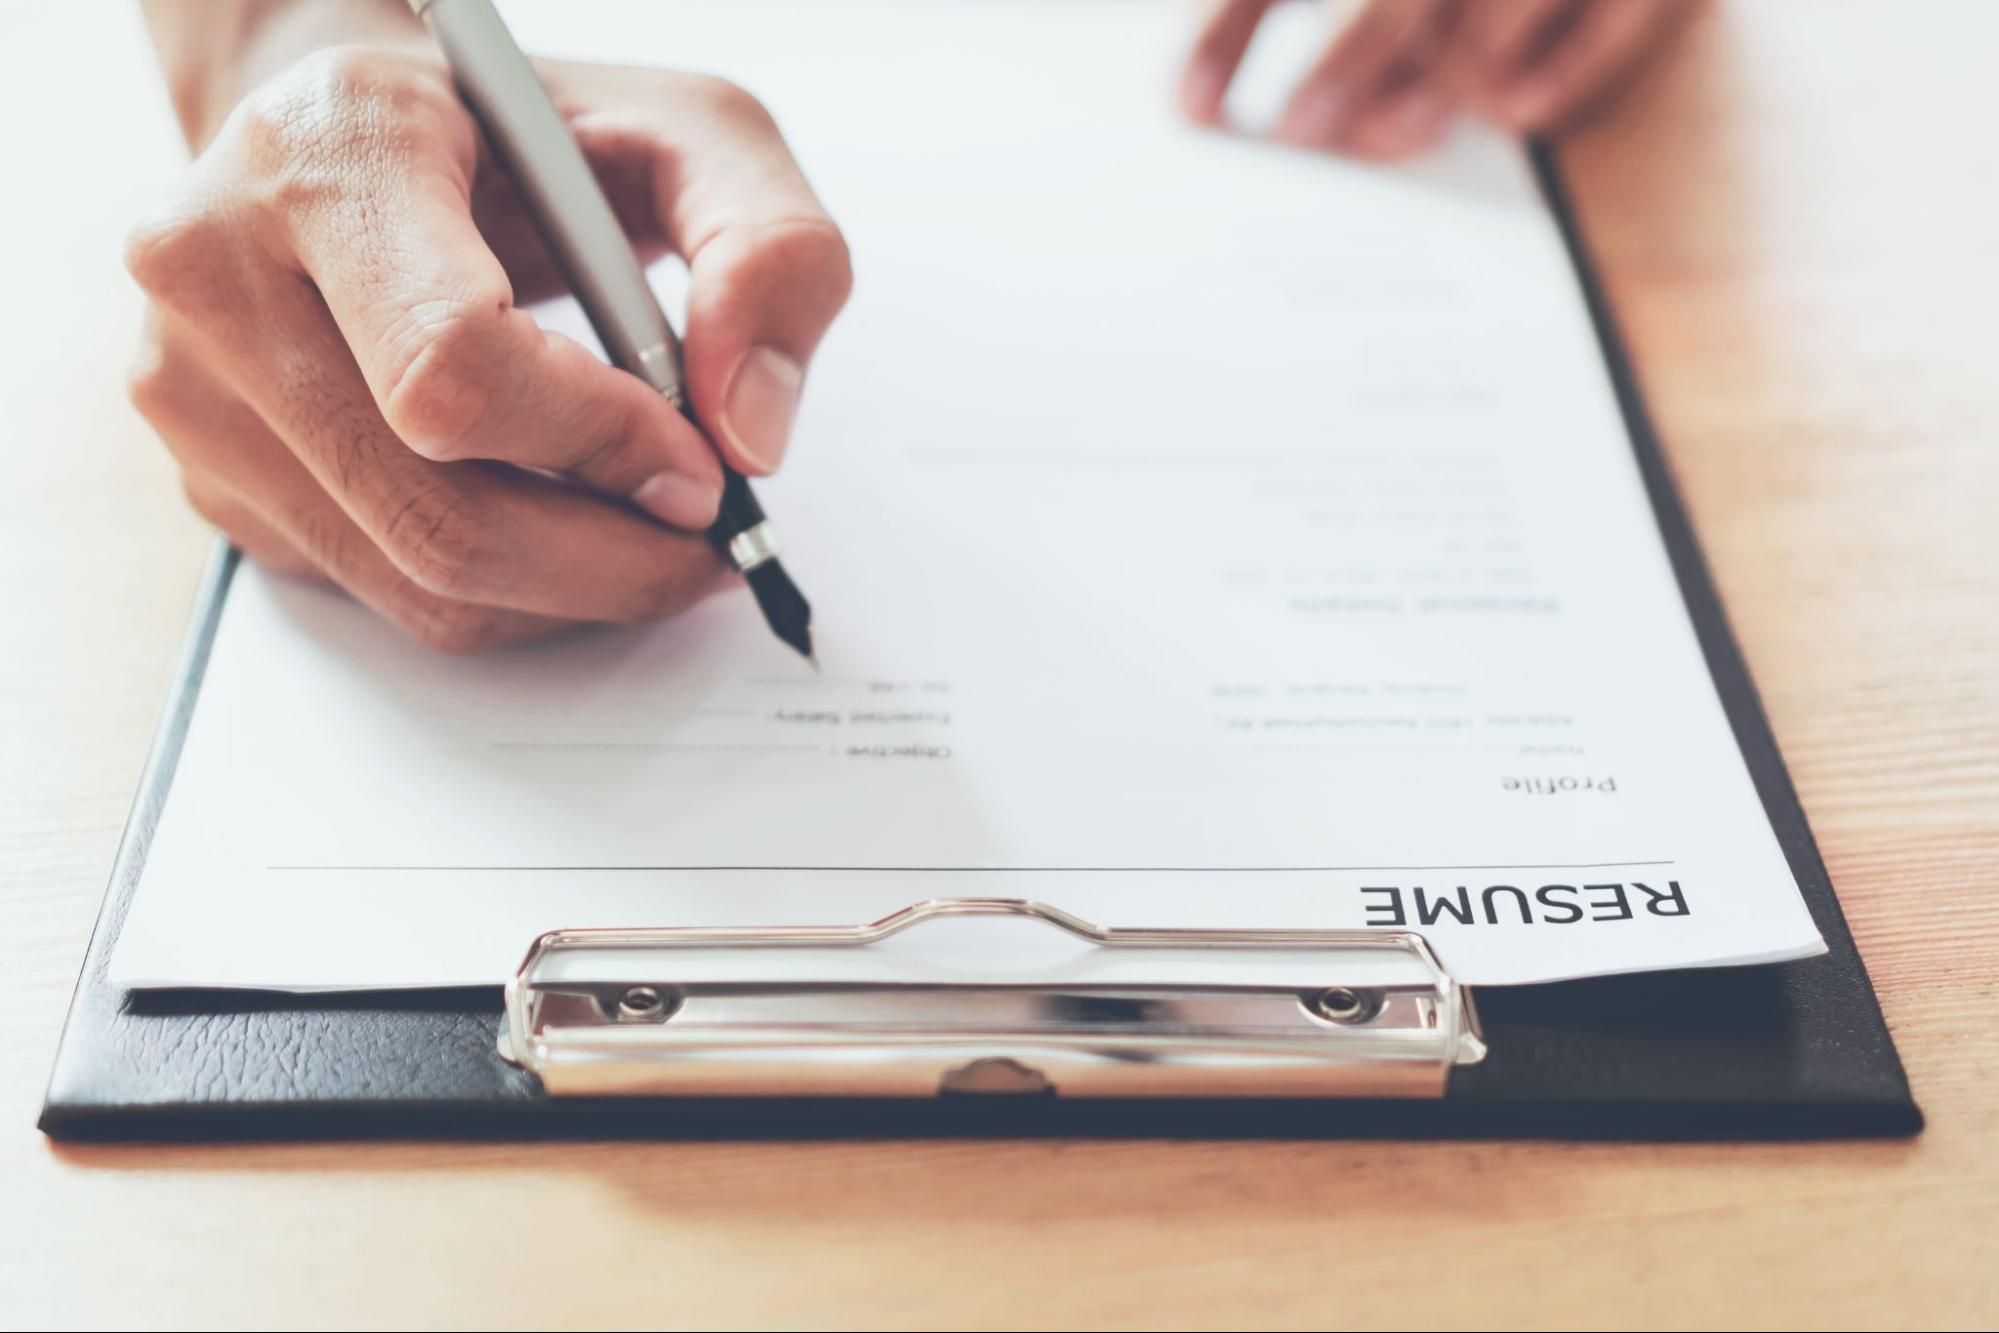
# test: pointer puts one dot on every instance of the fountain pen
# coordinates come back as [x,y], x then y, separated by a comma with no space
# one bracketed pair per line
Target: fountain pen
[575,220]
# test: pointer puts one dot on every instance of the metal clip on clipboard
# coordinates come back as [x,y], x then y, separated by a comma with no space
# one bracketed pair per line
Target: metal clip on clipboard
[678,1012]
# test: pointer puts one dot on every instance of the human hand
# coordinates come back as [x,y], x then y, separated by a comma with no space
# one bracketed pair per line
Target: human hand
[1391,79]
[337,357]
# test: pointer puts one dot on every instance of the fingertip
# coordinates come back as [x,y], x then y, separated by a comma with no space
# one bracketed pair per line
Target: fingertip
[1203,89]
[615,433]
[760,301]
[680,500]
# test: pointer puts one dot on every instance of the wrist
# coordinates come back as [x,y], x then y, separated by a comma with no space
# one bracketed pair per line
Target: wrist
[212,52]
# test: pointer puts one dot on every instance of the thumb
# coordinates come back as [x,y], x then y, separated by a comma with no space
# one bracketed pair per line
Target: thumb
[759,299]
[767,270]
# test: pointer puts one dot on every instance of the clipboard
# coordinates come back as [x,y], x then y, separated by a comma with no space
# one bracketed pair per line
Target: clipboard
[1359,1034]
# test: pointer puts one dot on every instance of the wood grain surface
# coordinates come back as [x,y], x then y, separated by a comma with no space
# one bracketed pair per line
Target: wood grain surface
[1796,212]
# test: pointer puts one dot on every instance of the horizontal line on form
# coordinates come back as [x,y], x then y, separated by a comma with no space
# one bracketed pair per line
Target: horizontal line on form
[1014,870]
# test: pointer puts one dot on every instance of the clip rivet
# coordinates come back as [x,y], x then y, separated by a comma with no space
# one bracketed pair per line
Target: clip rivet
[642,1004]
[1344,1004]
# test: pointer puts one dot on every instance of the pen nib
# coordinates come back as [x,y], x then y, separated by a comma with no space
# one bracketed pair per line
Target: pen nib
[813,658]
[784,608]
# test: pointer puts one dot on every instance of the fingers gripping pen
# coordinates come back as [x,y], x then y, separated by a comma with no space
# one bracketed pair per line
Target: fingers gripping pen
[575,220]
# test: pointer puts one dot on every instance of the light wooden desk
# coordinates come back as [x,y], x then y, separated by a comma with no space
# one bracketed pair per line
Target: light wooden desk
[1801,244]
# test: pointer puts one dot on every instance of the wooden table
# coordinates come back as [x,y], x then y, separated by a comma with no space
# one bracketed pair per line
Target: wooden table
[1802,250]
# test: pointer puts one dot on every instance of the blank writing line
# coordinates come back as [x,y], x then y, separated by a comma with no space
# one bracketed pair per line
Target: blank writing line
[1519,746]
[587,747]
[1015,870]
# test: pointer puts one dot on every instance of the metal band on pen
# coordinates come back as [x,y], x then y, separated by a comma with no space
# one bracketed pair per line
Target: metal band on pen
[659,365]
[751,548]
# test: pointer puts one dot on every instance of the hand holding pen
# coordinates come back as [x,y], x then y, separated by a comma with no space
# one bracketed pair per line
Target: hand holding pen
[338,358]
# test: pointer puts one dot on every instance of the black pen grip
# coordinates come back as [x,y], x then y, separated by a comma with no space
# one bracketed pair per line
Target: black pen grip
[739,511]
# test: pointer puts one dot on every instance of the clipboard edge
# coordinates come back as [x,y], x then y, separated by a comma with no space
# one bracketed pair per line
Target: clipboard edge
[1741,701]
[142,819]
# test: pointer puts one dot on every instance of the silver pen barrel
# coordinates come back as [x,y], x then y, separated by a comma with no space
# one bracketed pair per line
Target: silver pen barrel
[557,187]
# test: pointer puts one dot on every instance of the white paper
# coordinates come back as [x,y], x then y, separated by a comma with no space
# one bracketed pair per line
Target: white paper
[1200,533]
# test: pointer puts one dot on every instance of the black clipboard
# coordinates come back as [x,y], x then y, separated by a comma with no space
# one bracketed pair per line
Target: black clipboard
[1789,1050]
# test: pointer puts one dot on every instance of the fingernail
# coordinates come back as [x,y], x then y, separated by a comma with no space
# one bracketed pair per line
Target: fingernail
[758,408]
[678,499]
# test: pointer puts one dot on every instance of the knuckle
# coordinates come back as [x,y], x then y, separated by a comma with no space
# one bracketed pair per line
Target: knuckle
[729,101]
[393,95]
[149,381]
[293,121]
[440,376]
[817,250]
[171,250]
[267,125]
[353,71]
[205,500]
[438,536]
[304,133]
[340,90]
[807,257]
